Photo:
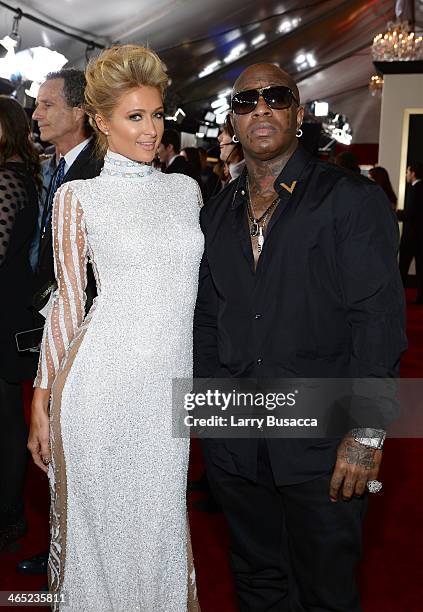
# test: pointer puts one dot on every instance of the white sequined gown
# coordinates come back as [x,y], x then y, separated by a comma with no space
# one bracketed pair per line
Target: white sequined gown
[119,536]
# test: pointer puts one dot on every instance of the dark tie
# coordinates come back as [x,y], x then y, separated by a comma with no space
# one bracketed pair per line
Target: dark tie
[56,181]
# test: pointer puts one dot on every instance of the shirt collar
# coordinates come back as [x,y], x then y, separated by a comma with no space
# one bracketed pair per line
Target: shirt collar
[71,155]
[236,169]
[285,183]
[171,160]
[415,182]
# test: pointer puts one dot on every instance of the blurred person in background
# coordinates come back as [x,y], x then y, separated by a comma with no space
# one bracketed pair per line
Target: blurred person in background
[19,184]
[169,154]
[347,160]
[231,152]
[411,245]
[380,176]
[209,179]
[192,156]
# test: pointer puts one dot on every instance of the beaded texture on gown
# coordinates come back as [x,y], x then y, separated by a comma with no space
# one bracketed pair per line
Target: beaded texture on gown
[119,534]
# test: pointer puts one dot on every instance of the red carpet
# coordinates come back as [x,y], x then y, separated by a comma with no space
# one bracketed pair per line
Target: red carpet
[391,573]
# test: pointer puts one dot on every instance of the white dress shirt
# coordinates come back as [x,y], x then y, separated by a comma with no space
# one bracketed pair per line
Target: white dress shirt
[73,153]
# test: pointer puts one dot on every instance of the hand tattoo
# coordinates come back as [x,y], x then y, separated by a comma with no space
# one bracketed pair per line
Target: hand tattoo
[355,453]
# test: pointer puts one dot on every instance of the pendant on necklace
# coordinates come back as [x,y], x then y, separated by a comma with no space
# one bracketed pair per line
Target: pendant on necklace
[260,240]
[254,231]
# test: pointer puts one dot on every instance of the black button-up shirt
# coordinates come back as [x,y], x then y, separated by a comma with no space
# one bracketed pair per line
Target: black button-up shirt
[325,300]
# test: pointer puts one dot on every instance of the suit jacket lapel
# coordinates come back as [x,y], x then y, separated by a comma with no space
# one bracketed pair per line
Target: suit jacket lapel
[77,169]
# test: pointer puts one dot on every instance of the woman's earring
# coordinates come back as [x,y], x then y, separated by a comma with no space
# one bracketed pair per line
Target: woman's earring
[235,139]
[299,132]
[107,133]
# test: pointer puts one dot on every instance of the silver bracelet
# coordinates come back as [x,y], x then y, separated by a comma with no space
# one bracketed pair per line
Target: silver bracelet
[370,437]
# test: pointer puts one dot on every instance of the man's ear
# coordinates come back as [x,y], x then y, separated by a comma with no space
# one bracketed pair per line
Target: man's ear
[230,123]
[300,116]
[78,113]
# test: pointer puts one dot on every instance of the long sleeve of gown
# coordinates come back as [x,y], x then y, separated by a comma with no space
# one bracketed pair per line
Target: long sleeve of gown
[67,310]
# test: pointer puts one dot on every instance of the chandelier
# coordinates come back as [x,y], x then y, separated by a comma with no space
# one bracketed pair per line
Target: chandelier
[398,44]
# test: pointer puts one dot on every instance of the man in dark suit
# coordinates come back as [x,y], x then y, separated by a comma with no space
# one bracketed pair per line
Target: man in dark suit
[299,278]
[169,149]
[411,245]
[62,122]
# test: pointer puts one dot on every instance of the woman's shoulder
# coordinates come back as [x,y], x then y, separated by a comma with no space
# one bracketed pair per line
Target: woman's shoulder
[177,179]
[180,184]
[80,188]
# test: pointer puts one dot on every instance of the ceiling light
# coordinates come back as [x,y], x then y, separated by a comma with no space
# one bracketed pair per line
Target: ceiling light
[235,53]
[178,116]
[398,44]
[209,69]
[225,93]
[210,117]
[305,60]
[285,26]
[32,92]
[258,39]
[341,136]
[311,60]
[212,133]
[9,44]
[31,64]
[288,24]
[220,118]
[321,109]
[222,109]
[218,102]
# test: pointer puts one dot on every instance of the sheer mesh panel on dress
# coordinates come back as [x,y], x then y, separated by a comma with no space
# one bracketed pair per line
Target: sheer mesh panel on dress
[67,310]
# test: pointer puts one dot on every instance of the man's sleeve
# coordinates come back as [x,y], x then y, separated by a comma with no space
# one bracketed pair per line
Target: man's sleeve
[206,359]
[367,245]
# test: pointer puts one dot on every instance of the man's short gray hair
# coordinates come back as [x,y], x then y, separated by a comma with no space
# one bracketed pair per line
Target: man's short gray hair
[74,85]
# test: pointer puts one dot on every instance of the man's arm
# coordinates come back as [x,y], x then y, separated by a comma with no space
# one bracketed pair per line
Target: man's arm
[206,360]
[367,242]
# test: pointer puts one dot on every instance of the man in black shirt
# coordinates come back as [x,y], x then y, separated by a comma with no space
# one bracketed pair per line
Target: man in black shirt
[299,279]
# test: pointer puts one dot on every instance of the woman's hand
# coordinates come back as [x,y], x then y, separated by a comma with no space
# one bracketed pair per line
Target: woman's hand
[39,432]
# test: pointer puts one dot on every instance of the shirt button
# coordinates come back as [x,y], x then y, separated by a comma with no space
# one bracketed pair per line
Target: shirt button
[259,361]
[242,192]
[257,316]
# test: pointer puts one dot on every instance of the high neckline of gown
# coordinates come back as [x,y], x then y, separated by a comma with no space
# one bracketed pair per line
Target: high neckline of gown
[120,166]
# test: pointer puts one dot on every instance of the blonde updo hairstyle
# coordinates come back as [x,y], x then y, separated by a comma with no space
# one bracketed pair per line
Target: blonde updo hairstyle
[114,72]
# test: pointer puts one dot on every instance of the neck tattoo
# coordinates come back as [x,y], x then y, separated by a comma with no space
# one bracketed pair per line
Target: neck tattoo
[257,225]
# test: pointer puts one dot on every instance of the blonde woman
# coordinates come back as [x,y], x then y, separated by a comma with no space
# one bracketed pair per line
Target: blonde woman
[119,536]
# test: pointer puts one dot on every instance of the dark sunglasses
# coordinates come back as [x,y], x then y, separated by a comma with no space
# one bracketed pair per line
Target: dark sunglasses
[277,97]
